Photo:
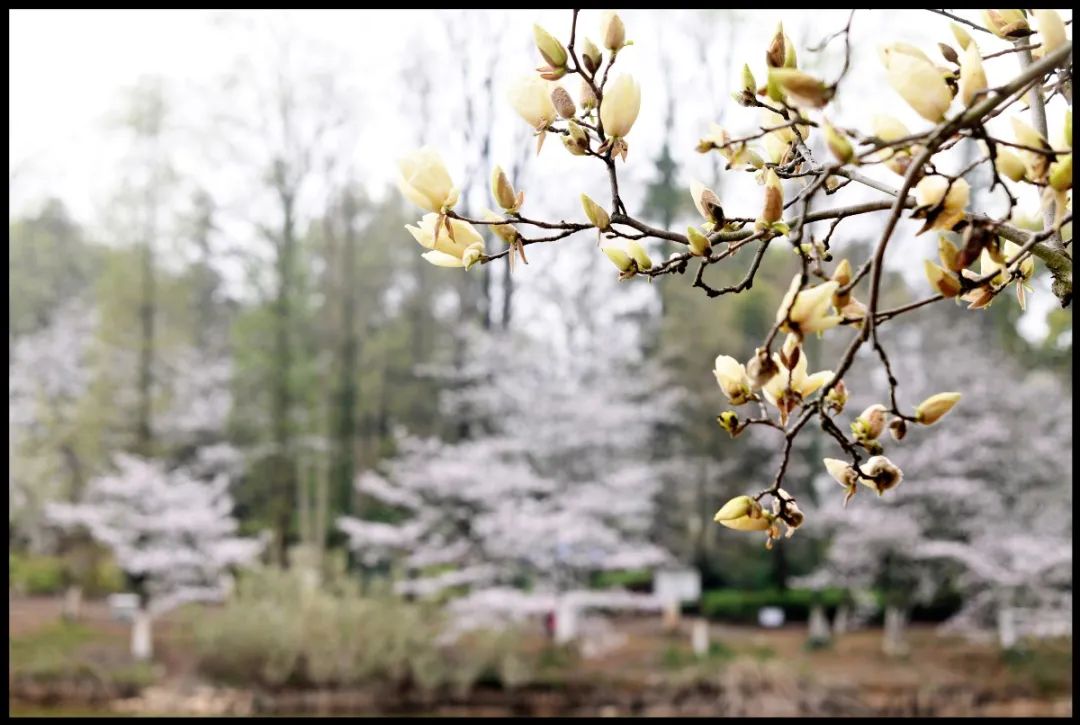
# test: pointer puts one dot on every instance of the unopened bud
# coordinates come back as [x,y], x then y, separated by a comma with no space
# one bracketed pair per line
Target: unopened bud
[776,53]
[503,192]
[898,428]
[800,87]
[591,56]
[1061,173]
[586,96]
[1009,164]
[838,144]
[729,421]
[619,258]
[576,140]
[699,243]
[836,398]
[869,425]
[596,214]
[748,82]
[933,408]
[948,53]
[1008,24]
[563,103]
[550,47]
[773,206]
[941,280]
[612,31]
[961,35]
[639,254]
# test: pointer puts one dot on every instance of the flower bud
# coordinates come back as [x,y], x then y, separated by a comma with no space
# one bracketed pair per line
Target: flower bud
[1051,29]
[961,35]
[773,208]
[562,101]
[531,98]
[948,53]
[706,202]
[949,254]
[619,258]
[842,276]
[1061,173]
[731,376]
[801,88]
[1009,164]
[425,181]
[776,52]
[932,409]
[591,56]
[838,144]
[729,421]
[806,311]
[595,213]
[1007,24]
[748,82]
[836,398]
[941,202]
[898,428]
[505,232]
[639,254]
[620,105]
[699,243]
[550,47]
[743,514]
[586,96]
[612,31]
[917,81]
[869,425]
[502,191]
[1037,164]
[841,471]
[941,280]
[972,75]
[882,473]
[576,140]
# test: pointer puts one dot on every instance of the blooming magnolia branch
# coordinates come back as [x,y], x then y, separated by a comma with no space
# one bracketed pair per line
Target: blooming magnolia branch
[598,123]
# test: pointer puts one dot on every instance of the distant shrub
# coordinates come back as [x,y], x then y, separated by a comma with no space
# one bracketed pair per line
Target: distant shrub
[36,575]
[736,605]
[273,633]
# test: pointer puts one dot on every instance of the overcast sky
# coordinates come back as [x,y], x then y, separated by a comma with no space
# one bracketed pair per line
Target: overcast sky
[68,70]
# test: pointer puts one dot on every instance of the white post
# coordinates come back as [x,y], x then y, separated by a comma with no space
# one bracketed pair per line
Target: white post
[142,643]
[566,615]
[893,644]
[1006,627]
[672,613]
[72,603]
[819,626]
[840,621]
[699,638]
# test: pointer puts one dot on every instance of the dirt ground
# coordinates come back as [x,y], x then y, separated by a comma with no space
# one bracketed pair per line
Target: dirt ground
[646,654]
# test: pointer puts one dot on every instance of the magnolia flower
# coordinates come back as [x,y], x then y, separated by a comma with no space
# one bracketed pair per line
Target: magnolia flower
[612,31]
[706,202]
[870,423]
[1037,164]
[789,387]
[531,98]
[549,46]
[881,474]
[806,311]
[1009,164]
[1050,28]
[425,181]
[773,206]
[802,88]
[502,191]
[1060,176]
[888,129]
[1008,24]
[761,368]
[731,375]
[595,213]
[699,244]
[620,105]
[941,280]
[917,80]
[619,258]
[638,254]
[743,513]
[838,144]
[941,202]
[972,75]
[463,249]
[932,409]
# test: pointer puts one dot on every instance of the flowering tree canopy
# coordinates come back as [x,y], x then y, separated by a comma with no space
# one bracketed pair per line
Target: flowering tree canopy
[171,533]
[1014,66]
[557,485]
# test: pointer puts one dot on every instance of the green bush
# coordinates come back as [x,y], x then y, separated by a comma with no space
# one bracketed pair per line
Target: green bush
[632,579]
[273,634]
[742,606]
[36,575]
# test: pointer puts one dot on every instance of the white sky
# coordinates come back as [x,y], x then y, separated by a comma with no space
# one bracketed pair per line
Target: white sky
[68,69]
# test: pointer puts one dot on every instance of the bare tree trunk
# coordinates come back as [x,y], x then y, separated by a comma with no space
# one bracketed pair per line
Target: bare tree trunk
[347,394]
[142,640]
[893,643]
[282,401]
